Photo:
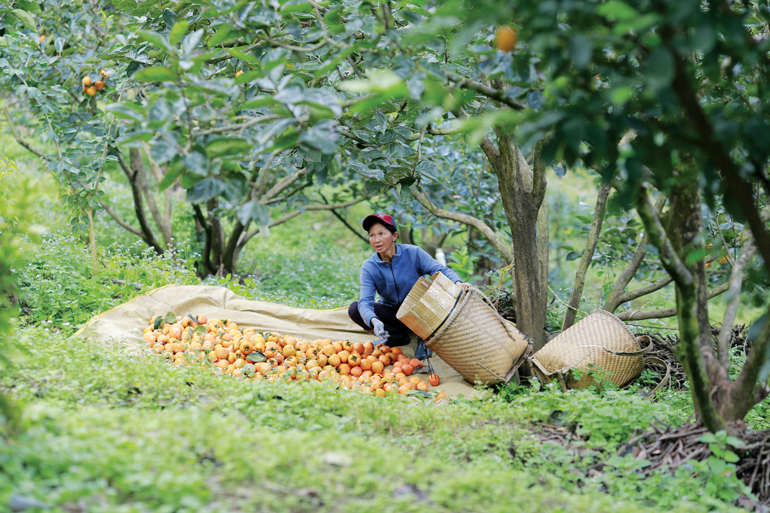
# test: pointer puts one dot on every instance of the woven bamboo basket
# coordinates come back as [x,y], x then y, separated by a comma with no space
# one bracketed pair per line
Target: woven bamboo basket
[600,343]
[428,305]
[478,343]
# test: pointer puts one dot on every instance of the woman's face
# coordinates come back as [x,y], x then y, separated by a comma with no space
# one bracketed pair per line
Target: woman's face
[381,238]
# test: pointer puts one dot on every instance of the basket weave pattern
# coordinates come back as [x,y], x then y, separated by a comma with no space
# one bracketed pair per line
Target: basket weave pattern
[599,339]
[478,343]
[428,304]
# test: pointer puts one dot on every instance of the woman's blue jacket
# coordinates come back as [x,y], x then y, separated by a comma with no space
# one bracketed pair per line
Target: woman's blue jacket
[394,281]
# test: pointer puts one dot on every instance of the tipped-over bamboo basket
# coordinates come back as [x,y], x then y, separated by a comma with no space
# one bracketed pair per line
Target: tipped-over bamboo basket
[428,304]
[472,337]
[598,344]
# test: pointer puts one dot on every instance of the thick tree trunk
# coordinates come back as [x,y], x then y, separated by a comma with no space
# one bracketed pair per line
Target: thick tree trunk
[522,190]
[673,247]
[685,232]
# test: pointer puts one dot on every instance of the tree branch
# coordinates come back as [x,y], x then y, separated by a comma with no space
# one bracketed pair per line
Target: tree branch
[295,213]
[120,220]
[207,244]
[657,235]
[137,163]
[147,234]
[745,386]
[638,315]
[21,141]
[489,92]
[686,311]
[539,183]
[234,127]
[618,295]
[585,261]
[733,300]
[482,227]
[737,187]
[344,221]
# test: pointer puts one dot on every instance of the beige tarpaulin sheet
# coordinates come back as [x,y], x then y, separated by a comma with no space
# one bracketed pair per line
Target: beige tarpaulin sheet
[126,322]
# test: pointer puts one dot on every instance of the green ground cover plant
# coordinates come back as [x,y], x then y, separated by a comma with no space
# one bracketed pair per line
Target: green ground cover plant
[123,432]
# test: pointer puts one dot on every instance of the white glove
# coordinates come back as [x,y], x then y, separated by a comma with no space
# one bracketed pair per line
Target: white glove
[379,329]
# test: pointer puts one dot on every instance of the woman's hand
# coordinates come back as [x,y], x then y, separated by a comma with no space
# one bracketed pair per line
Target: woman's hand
[463,285]
[379,330]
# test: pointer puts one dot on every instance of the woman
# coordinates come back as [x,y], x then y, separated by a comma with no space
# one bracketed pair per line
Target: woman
[391,272]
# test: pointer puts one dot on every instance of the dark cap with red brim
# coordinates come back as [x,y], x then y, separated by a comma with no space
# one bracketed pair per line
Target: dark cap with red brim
[384,219]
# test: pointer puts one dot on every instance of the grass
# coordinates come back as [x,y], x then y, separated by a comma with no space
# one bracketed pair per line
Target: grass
[132,433]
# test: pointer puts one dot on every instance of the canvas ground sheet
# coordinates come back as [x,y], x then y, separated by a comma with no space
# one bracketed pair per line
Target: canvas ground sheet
[125,323]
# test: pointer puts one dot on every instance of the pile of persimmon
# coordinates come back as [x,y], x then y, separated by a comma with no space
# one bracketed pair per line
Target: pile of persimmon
[271,356]
[91,87]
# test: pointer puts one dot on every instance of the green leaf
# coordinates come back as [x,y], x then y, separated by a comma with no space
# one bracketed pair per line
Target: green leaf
[221,35]
[172,174]
[615,10]
[296,6]
[256,357]
[258,101]
[289,139]
[243,56]
[659,69]
[254,211]
[128,111]
[197,161]
[419,393]
[156,39]
[580,50]
[169,17]
[201,329]
[28,6]
[25,18]
[205,190]
[177,32]
[248,76]
[170,317]
[158,324]
[156,74]
[226,146]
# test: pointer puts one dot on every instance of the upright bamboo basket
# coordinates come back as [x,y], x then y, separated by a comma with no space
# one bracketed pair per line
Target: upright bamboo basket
[476,341]
[428,305]
[600,343]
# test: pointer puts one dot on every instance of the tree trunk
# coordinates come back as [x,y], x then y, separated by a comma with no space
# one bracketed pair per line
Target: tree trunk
[685,232]
[522,190]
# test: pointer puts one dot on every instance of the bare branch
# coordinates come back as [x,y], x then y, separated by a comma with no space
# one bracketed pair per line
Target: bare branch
[618,295]
[638,315]
[585,261]
[147,234]
[282,184]
[234,127]
[435,131]
[21,141]
[733,300]
[295,213]
[489,92]
[120,220]
[657,235]
[482,227]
